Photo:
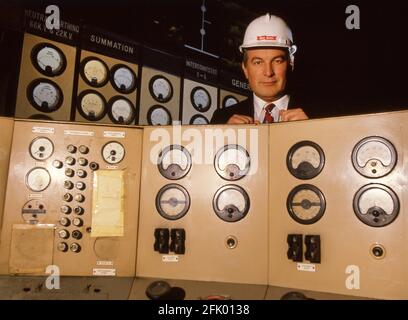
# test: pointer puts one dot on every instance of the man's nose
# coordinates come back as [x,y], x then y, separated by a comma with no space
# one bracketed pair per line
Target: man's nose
[268,70]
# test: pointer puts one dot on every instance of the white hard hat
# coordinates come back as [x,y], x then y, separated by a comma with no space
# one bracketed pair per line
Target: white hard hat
[269,31]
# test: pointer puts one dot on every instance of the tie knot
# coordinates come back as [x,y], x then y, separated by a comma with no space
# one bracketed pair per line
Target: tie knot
[269,107]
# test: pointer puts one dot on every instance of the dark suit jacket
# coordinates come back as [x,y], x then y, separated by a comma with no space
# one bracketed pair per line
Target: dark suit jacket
[245,107]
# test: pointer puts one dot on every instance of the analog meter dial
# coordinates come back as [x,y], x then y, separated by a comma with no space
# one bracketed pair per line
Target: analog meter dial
[38,179]
[123,79]
[374,157]
[92,105]
[113,152]
[44,95]
[159,115]
[48,59]
[306,204]
[174,162]
[121,110]
[376,205]
[231,203]
[172,201]
[199,119]
[305,160]
[41,148]
[232,162]
[94,72]
[229,101]
[160,88]
[201,99]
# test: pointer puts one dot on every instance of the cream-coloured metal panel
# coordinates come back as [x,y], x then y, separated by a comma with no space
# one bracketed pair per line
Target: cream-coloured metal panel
[215,250]
[147,101]
[189,110]
[45,92]
[6,125]
[105,89]
[348,264]
[52,176]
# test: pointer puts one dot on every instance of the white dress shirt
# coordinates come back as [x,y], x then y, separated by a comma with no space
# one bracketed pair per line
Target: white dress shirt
[259,107]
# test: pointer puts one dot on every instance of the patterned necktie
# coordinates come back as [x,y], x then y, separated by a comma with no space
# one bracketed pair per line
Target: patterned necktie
[268,113]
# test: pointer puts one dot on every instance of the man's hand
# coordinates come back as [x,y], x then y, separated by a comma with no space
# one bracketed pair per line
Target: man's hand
[292,115]
[240,119]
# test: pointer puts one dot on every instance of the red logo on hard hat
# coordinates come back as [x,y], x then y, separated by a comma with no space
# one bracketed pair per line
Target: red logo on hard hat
[266,38]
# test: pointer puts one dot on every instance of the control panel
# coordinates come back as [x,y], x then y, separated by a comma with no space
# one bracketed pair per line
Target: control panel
[71,201]
[46,79]
[336,205]
[203,213]
[6,125]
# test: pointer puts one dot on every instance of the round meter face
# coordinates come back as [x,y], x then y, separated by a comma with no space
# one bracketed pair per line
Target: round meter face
[41,148]
[306,204]
[123,79]
[159,115]
[160,88]
[172,202]
[374,157]
[174,162]
[232,162]
[113,152]
[231,203]
[94,72]
[44,95]
[229,101]
[38,179]
[92,105]
[200,99]
[48,59]
[199,119]
[305,160]
[121,110]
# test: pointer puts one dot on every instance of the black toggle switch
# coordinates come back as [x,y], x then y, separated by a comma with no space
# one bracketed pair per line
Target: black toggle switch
[162,237]
[295,247]
[312,253]
[177,244]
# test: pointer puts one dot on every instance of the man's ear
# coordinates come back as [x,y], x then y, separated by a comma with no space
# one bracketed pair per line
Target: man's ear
[244,69]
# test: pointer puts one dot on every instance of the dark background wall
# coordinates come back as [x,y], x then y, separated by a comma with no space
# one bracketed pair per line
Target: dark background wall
[338,71]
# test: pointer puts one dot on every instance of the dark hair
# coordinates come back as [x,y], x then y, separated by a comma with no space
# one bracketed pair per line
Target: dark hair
[245,53]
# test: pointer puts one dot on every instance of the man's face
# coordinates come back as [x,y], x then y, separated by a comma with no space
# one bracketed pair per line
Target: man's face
[266,71]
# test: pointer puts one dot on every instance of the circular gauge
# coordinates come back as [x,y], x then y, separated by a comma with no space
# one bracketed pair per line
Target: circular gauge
[41,148]
[48,59]
[33,211]
[305,160]
[160,88]
[376,205]
[199,119]
[158,115]
[121,110]
[201,99]
[44,95]
[374,157]
[229,101]
[232,162]
[38,179]
[174,162]
[306,204]
[94,72]
[123,79]
[231,203]
[113,152]
[92,105]
[172,202]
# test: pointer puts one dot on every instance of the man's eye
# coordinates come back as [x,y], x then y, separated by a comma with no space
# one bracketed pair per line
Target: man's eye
[278,61]
[257,62]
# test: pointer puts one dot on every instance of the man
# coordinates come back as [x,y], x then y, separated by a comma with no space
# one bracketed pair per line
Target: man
[268,60]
